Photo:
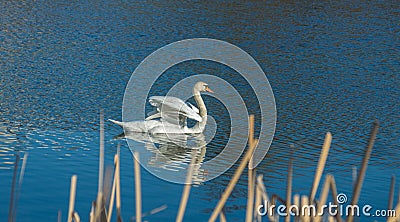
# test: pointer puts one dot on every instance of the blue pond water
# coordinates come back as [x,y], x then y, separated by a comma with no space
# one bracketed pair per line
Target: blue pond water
[332,66]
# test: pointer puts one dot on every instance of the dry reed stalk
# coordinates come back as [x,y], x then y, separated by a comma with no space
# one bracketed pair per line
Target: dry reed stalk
[13,184]
[289,186]
[296,202]
[21,178]
[329,184]
[250,173]
[186,189]
[257,203]
[72,193]
[91,214]
[108,182]
[321,165]
[254,187]
[118,186]
[22,172]
[398,197]
[234,179]
[354,175]
[238,172]
[250,196]
[138,192]
[397,213]
[391,193]
[101,153]
[76,217]
[324,194]
[59,216]
[99,200]
[304,202]
[222,217]
[155,210]
[151,212]
[334,196]
[275,198]
[111,204]
[232,183]
[250,191]
[98,206]
[251,130]
[260,185]
[112,197]
[361,174]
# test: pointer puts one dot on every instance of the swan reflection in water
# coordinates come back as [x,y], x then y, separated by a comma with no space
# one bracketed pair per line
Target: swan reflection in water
[173,152]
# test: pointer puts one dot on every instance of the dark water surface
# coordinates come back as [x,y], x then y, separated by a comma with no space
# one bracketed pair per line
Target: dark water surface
[332,66]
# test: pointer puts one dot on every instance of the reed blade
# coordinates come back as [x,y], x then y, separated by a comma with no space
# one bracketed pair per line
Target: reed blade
[250,192]
[12,195]
[112,196]
[391,193]
[233,181]
[186,190]
[257,203]
[59,216]
[138,189]
[363,169]
[101,153]
[289,189]
[396,217]
[222,217]
[321,165]
[118,186]
[21,178]
[231,184]
[72,193]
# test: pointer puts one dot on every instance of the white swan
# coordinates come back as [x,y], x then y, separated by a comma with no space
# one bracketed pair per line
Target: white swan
[172,113]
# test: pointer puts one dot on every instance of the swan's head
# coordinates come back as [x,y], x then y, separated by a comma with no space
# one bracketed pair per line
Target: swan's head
[201,87]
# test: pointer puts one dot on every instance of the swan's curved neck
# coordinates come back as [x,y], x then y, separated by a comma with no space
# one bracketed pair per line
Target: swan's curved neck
[202,111]
[200,104]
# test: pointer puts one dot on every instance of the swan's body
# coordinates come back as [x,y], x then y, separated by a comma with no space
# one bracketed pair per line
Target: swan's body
[172,113]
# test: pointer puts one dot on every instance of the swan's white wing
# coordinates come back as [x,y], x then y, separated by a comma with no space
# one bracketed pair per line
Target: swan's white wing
[138,126]
[174,110]
[153,116]
[193,108]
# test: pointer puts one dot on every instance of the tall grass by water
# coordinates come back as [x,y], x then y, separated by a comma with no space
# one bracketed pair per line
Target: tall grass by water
[257,197]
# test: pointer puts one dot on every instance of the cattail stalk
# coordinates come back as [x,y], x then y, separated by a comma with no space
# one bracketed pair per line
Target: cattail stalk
[186,190]
[391,193]
[235,177]
[118,186]
[363,170]
[138,190]
[289,190]
[12,196]
[250,172]
[232,183]
[112,197]
[72,198]
[321,166]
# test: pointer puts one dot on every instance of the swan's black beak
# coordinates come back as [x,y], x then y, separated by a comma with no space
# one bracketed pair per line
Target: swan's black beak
[208,89]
